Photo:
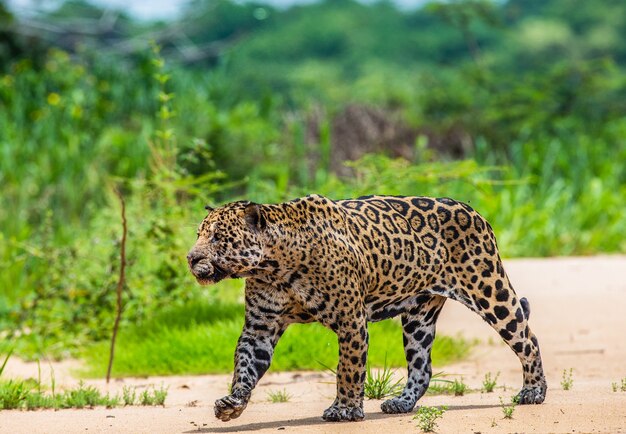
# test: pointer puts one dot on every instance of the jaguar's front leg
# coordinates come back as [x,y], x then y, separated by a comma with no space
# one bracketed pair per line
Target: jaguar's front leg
[265,323]
[353,337]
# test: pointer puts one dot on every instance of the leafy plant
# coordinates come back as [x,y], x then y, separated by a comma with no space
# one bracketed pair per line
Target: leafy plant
[83,396]
[129,394]
[427,417]
[567,381]
[508,410]
[146,398]
[160,395]
[153,397]
[489,383]
[276,396]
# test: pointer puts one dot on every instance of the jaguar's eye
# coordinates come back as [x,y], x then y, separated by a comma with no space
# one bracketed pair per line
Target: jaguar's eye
[216,237]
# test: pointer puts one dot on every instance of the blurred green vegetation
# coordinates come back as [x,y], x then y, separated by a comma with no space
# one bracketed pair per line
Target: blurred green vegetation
[201,338]
[515,107]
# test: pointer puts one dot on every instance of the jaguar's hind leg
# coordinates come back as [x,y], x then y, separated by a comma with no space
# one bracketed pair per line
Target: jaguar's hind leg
[418,324]
[491,295]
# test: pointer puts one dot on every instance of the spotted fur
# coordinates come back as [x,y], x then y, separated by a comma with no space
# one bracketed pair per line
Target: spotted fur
[349,262]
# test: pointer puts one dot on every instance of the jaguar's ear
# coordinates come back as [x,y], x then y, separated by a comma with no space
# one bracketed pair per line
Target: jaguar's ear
[209,208]
[253,213]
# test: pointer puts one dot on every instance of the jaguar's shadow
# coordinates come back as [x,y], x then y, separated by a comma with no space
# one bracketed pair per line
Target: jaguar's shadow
[310,421]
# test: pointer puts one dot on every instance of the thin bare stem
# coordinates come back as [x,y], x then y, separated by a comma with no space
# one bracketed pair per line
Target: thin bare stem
[120,283]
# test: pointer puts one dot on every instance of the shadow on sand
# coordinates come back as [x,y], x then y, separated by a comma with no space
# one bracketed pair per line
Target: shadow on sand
[309,421]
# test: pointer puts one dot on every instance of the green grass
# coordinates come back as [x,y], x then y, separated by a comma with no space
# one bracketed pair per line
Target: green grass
[129,395]
[441,386]
[200,338]
[508,410]
[28,395]
[567,381]
[489,383]
[153,397]
[622,386]
[276,396]
[381,384]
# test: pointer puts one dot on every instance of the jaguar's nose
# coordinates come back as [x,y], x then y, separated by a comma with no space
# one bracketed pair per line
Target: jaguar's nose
[193,258]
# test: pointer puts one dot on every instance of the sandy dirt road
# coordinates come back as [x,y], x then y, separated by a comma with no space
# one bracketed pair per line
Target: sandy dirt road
[578,312]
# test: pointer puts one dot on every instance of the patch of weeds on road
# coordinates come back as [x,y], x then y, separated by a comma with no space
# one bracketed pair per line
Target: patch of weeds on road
[427,417]
[567,381]
[31,394]
[441,386]
[129,394]
[153,397]
[87,396]
[159,395]
[621,387]
[459,387]
[509,409]
[381,384]
[489,383]
[277,396]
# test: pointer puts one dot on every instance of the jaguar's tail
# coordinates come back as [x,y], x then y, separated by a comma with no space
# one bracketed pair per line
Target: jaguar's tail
[525,306]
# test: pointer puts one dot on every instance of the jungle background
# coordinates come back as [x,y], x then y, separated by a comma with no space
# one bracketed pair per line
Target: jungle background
[515,107]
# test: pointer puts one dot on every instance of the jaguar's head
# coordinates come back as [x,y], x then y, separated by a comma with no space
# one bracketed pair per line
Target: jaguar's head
[230,242]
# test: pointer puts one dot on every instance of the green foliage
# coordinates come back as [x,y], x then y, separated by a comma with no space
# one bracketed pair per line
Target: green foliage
[567,381]
[159,395]
[12,393]
[491,118]
[84,396]
[381,384]
[537,208]
[153,396]
[615,386]
[459,387]
[28,395]
[174,342]
[441,386]
[129,395]
[276,396]
[508,410]
[427,417]
[489,383]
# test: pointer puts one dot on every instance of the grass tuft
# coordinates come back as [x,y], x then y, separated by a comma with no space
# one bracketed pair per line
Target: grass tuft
[29,395]
[129,394]
[153,397]
[380,384]
[567,381]
[441,386]
[622,386]
[459,387]
[489,383]
[277,396]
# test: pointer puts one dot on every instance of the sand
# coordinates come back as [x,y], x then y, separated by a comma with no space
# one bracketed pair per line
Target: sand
[578,312]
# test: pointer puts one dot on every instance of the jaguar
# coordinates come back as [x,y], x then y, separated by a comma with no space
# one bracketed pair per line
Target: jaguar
[345,263]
